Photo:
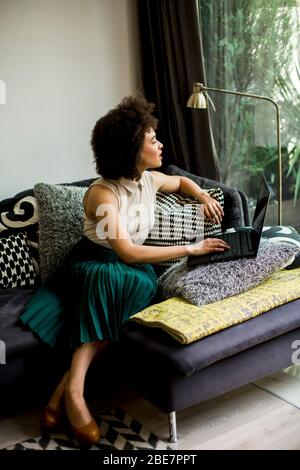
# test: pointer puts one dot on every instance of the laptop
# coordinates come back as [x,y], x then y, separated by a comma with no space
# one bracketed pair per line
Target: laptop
[243,241]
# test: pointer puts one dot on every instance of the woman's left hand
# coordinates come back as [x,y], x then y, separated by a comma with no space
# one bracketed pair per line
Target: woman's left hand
[212,209]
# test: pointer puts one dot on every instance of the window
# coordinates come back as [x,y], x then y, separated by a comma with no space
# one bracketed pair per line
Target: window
[254,47]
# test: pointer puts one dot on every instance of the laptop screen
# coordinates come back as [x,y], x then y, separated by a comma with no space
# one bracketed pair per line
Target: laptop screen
[261,207]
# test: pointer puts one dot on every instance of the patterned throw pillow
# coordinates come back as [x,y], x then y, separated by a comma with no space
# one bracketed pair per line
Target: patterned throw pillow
[16,266]
[280,233]
[60,224]
[20,214]
[178,221]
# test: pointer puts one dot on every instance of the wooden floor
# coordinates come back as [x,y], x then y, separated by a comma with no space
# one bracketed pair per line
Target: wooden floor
[247,418]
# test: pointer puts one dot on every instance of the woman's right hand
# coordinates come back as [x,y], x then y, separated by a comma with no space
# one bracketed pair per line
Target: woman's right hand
[208,245]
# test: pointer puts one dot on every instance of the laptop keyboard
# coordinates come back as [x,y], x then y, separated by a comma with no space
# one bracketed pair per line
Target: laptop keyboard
[240,242]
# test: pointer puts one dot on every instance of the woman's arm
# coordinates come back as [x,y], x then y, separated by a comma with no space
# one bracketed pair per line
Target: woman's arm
[102,205]
[172,184]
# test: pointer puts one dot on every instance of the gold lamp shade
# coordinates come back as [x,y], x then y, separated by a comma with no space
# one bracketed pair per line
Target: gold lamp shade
[197,98]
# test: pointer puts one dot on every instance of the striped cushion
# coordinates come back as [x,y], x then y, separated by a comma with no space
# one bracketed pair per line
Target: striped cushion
[178,221]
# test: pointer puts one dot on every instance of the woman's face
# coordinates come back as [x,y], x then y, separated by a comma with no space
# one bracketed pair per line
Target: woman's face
[151,152]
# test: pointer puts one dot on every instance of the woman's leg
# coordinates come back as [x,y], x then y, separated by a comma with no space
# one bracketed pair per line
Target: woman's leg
[76,407]
[55,401]
[51,415]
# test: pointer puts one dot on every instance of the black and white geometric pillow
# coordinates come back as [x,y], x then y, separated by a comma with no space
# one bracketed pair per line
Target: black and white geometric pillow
[16,266]
[284,233]
[178,221]
[20,214]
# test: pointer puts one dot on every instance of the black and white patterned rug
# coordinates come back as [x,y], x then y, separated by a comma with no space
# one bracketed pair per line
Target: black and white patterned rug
[119,431]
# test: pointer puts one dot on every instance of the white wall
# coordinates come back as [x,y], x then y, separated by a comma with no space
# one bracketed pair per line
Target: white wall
[64,63]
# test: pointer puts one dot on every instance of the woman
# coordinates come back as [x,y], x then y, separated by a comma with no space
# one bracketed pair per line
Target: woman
[110,269]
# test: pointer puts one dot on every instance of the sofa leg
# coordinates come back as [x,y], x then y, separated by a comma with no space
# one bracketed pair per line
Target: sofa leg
[172,427]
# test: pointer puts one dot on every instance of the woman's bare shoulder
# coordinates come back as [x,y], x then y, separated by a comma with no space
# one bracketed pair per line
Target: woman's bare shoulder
[96,195]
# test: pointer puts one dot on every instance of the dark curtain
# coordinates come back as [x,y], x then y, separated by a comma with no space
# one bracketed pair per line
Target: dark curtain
[172,61]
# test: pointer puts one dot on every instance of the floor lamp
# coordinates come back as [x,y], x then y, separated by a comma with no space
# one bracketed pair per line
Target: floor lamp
[198,100]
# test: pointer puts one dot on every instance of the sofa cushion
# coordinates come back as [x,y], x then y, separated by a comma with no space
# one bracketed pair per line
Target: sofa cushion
[16,338]
[155,346]
[16,265]
[179,221]
[211,282]
[187,323]
[60,223]
[236,212]
[20,213]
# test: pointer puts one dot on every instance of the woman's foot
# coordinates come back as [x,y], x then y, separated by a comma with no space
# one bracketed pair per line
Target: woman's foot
[84,427]
[50,419]
[51,415]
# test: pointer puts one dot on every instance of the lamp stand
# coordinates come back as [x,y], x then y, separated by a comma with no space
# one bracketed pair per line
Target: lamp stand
[199,87]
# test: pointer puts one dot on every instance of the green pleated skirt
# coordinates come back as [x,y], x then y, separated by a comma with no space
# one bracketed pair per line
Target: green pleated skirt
[90,297]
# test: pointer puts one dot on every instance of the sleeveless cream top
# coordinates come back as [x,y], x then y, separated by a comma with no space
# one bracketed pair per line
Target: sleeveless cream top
[136,201]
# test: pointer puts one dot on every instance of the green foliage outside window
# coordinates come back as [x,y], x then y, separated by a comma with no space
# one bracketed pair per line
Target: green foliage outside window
[253,46]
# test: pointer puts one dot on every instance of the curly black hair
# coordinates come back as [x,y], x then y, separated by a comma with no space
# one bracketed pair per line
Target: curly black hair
[118,137]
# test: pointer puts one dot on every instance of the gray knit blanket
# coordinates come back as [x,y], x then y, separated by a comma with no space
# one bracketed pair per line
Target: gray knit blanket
[208,283]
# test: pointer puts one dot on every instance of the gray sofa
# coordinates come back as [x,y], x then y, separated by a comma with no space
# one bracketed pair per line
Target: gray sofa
[31,367]
[168,374]
[174,376]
